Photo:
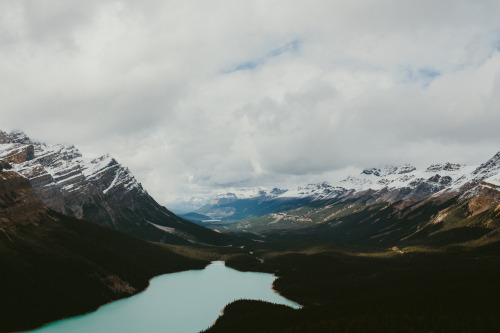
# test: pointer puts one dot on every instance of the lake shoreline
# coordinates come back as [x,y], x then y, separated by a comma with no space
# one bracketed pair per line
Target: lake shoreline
[189,301]
[112,301]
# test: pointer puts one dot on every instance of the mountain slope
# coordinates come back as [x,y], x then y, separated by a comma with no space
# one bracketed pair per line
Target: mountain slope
[396,206]
[231,207]
[99,190]
[54,266]
[390,183]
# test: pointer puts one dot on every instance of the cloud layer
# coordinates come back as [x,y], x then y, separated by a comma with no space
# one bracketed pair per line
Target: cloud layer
[196,96]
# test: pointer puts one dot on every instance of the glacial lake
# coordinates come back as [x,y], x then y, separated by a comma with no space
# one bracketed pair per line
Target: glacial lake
[182,302]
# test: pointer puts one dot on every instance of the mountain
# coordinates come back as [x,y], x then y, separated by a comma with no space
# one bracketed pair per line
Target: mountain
[405,250]
[55,266]
[391,206]
[99,190]
[231,207]
[391,183]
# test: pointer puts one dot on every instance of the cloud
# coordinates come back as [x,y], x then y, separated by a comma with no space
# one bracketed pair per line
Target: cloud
[197,96]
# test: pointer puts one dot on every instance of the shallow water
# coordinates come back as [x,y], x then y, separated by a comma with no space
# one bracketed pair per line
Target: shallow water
[180,302]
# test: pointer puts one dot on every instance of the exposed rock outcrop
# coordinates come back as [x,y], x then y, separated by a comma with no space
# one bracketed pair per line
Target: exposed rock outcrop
[19,204]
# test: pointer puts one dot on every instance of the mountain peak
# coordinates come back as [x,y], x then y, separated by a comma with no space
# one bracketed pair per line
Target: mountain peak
[444,166]
[372,171]
[277,191]
[15,136]
[389,170]
[406,168]
[489,168]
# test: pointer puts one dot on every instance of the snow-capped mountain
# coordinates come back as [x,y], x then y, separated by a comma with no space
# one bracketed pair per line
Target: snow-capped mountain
[246,193]
[99,190]
[440,205]
[483,182]
[389,184]
[488,172]
[436,176]
[321,191]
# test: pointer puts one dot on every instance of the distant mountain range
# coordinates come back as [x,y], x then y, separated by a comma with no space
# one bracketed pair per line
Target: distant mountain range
[403,182]
[381,206]
[99,190]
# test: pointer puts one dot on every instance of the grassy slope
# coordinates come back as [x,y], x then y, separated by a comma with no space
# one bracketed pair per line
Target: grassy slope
[378,224]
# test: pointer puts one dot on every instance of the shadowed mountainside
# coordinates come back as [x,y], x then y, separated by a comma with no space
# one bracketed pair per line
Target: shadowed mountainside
[54,266]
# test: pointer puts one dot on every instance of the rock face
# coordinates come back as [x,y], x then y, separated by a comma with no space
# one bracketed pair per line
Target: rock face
[19,204]
[99,190]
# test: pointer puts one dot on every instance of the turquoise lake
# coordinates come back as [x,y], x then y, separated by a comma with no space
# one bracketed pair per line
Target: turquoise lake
[179,303]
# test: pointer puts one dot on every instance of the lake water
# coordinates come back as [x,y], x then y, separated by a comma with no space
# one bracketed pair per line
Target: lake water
[180,302]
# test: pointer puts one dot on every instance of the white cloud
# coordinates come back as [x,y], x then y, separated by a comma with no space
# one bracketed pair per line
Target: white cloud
[194,96]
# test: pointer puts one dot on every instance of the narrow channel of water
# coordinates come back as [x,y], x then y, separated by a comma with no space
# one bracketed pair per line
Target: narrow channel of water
[179,303]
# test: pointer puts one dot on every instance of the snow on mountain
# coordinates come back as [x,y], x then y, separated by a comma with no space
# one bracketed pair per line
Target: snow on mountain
[489,169]
[407,176]
[322,191]
[494,180]
[60,171]
[390,183]
[245,193]
[487,175]
[99,190]
[315,191]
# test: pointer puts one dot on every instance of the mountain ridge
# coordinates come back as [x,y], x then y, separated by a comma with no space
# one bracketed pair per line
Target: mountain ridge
[99,190]
[392,183]
[466,210]
[445,204]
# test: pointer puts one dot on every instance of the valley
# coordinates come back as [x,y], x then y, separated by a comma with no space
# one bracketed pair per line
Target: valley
[415,256]
[250,166]
[388,250]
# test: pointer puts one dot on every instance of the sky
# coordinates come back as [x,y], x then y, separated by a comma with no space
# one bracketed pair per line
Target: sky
[199,96]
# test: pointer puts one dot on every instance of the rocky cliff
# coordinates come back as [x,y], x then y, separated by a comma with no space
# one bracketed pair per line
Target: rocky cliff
[99,190]
[19,204]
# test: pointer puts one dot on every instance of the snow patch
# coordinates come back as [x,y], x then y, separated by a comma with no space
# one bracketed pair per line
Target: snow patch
[166,229]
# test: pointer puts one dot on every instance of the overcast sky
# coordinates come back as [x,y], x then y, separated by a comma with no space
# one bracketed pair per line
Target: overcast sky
[196,96]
